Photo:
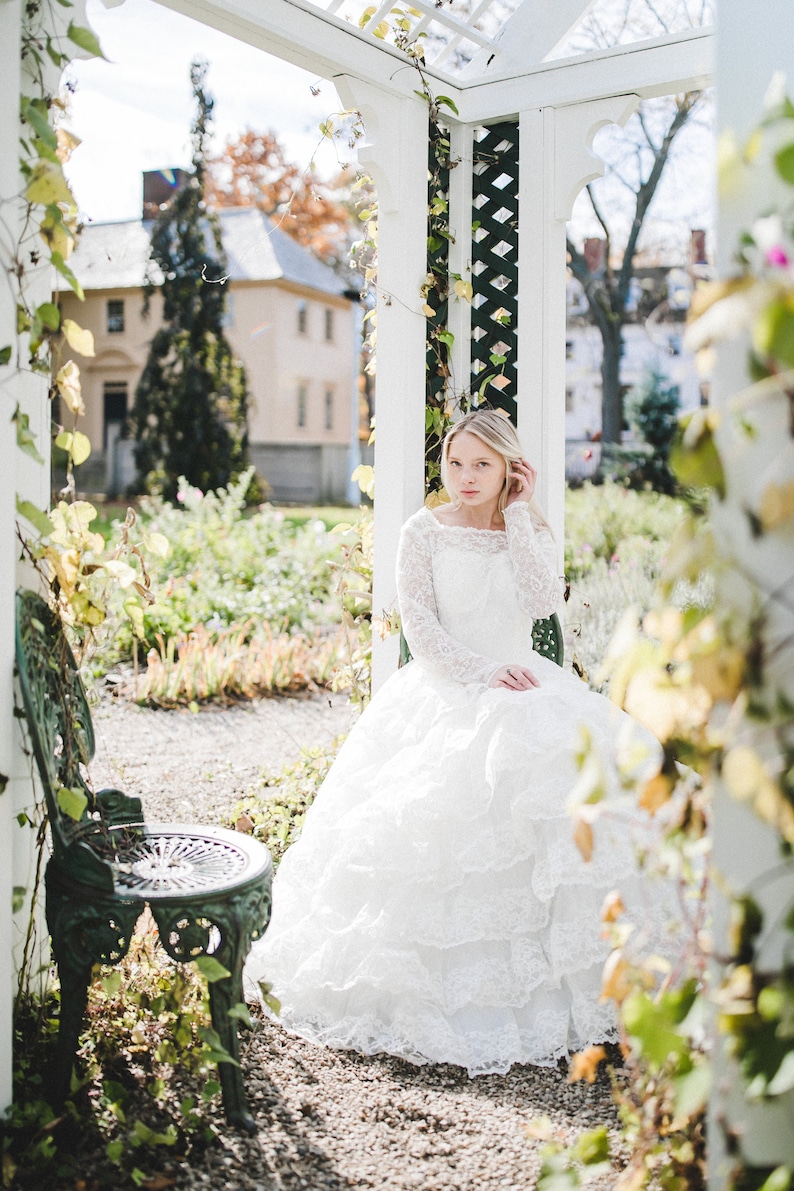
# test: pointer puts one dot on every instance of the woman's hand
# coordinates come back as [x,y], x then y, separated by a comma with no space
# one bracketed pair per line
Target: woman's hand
[514,678]
[524,477]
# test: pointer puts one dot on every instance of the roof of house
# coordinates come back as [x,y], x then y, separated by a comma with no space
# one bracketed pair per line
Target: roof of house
[115,255]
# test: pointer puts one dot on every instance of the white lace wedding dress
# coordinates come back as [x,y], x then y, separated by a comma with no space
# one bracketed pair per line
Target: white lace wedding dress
[435,906]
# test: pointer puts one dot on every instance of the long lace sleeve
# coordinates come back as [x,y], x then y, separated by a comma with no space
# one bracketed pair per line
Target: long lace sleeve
[534,558]
[429,643]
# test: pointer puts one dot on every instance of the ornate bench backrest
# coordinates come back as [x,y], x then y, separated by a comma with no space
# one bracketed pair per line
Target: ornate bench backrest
[57,716]
[547,640]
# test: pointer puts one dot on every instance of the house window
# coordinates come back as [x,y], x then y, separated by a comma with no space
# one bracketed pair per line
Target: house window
[329,324]
[115,315]
[301,406]
[114,410]
[303,318]
[227,318]
[329,409]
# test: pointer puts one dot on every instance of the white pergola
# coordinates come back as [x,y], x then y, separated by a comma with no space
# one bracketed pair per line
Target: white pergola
[496,64]
[493,70]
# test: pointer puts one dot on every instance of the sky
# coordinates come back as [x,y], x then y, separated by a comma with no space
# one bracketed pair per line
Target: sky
[134,111]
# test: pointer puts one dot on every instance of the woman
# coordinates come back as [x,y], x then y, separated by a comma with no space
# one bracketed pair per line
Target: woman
[435,906]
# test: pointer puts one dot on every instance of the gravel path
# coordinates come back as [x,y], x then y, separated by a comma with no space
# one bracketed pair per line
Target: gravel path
[329,1119]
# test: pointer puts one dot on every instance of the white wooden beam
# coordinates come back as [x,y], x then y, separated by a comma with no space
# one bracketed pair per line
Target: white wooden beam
[531,33]
[299,32]
[460,219]
[317,41]
[661,67]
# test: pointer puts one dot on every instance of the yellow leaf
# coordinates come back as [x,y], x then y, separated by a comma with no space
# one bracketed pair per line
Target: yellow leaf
[616,984]
[67,382]
[613,907]
[584,1065]
[583,838]
[656,792]
[720,670]
[67,143]
[78,338]
[157,544]
[48,185]
[364,476]
[743,773]
[777,505]
[81,448]
[428,311]
[464,289]
[540,1129]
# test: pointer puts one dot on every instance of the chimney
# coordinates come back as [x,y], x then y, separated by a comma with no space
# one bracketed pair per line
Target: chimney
[697,246]
[159,187]
[594,254]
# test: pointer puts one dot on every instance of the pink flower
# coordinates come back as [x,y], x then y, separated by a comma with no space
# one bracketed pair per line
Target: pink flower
[776,256]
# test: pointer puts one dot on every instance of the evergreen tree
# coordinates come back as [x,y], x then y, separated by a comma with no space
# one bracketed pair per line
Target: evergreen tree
[190,411]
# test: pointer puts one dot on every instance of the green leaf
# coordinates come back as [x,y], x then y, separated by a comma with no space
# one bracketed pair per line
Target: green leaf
[111,983]
[692,1090]
[115,1150]
[211,969]
[783,1080]
[447,102]
[779,1180]
[49,316]
[592,1147]
[210,1089]
[239,1012]
[85,39]
[60,264]
[697,463]
[72,801]
[38,120]
[649,1027]
[25,440]
[39,520]
[5,355]
[18,898]
[784,163]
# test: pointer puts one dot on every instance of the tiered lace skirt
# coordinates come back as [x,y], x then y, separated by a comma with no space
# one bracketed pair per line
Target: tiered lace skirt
[435,906]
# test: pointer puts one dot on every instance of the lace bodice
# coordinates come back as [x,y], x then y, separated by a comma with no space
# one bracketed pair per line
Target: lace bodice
[468,597]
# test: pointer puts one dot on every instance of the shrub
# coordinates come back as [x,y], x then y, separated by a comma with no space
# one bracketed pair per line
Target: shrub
[194,667]
[226,569]
[603,521]
[273,811]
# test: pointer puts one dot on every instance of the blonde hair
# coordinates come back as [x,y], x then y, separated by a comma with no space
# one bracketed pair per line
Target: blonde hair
[497,432]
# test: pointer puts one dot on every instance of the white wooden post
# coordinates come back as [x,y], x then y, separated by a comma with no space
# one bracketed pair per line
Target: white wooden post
[395,152]
[752,44]
[555,162]
[460,220]
[9,832]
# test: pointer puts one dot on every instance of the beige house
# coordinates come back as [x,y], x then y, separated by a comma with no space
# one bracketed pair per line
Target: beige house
[288,318]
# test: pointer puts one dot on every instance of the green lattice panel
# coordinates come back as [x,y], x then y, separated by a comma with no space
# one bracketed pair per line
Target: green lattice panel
[495,265]
[437,262]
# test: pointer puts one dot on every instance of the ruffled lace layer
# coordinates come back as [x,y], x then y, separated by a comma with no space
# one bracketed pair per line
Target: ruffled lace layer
[436,907]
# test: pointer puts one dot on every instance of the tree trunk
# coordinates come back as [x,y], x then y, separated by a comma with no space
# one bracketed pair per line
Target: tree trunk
[611,398]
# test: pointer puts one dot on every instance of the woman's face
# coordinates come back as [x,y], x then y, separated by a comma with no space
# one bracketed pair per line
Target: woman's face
[476,471]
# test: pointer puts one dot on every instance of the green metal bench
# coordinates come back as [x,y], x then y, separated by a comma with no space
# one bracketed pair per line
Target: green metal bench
[208,889]
[547,640]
